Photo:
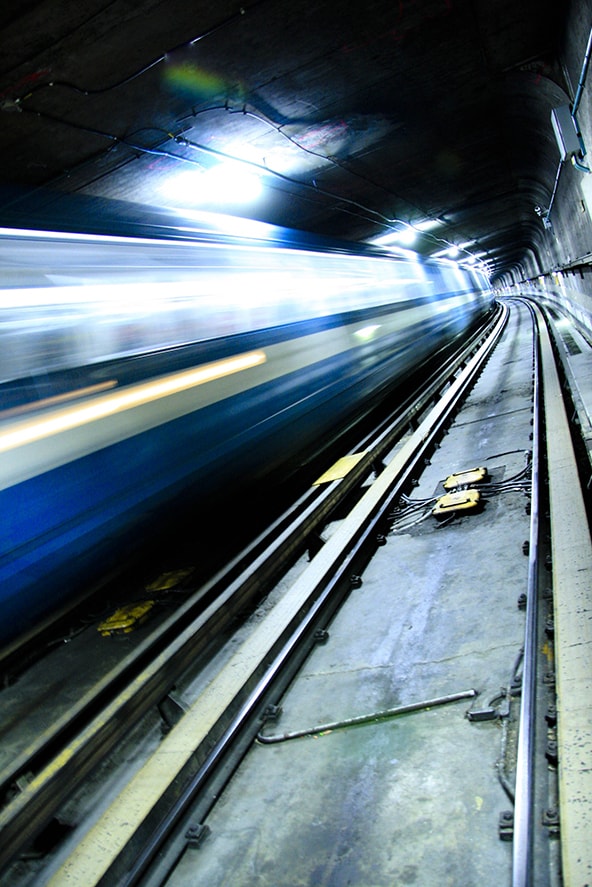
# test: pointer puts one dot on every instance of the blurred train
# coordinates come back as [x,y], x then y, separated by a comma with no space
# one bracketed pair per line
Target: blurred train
[134,371]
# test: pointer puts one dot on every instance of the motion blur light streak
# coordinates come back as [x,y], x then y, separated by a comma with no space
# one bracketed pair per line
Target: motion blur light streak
[58,398]
[323,330]
[228,224]
[72,417]
[367,332]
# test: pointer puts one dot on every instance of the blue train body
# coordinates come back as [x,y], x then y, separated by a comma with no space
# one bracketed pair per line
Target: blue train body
[135,371]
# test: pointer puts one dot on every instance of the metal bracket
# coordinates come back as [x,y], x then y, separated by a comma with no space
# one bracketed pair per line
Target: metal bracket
[271,714]
[171,711]
[552,752]
[196,834]
[506,825]
[482,714]
[551,820]
[315,543]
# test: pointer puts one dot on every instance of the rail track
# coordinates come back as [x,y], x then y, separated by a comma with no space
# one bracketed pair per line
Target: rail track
[163,809]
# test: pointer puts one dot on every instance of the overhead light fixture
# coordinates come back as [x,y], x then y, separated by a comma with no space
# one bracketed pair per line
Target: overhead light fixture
[428,225]
[405,236]
[449,252]
[225,184]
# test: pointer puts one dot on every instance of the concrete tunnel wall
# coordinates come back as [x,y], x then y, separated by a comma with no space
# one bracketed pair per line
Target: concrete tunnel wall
[565,249]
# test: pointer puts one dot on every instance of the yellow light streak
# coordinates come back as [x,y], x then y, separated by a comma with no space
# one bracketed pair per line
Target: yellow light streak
[57,399]
[68,418]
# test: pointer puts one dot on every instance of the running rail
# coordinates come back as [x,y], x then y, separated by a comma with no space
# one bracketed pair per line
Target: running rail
[571,548]
[523,804]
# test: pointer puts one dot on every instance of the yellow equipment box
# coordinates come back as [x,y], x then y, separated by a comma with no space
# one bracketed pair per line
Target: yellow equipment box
[168,580]
[456,502]
[464,478]
[125,619]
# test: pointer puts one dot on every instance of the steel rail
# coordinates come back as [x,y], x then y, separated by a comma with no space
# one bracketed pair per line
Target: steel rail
[143,682]
[571,548]
[523,803]
[114,850]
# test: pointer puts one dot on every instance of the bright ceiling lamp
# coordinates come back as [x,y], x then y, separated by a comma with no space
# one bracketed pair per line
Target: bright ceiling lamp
[428,225]
[404,236]
[407,232]
[407,237]
[222,185]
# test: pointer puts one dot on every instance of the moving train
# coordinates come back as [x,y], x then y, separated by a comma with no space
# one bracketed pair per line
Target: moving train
[136,371]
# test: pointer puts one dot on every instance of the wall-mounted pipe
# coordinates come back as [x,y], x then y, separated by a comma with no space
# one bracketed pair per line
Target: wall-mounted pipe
[545,214]
[583,75]
[576,104]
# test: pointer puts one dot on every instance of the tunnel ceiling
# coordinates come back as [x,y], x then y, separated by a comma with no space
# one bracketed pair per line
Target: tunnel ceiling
[355,118]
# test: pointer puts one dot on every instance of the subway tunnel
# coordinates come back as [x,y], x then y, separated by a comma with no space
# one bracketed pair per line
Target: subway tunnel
[430,131]
[231,236]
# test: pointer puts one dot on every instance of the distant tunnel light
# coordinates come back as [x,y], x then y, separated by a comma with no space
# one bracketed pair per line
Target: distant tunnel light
[66,419]
[224,184]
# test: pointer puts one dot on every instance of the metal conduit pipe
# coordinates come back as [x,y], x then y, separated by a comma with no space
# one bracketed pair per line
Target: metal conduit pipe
[583,75]
[574,112]
[576,104]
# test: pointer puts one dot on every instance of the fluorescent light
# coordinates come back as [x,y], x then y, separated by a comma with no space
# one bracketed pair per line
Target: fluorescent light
[225,183]
[406,236]
[428,225]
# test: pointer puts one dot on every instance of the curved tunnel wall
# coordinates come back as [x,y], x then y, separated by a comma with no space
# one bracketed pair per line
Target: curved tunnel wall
[558,260]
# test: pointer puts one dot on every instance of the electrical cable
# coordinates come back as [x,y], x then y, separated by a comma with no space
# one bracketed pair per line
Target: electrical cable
[184,142]
[373,216]
[339,164]
[187,44]
[278,128]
